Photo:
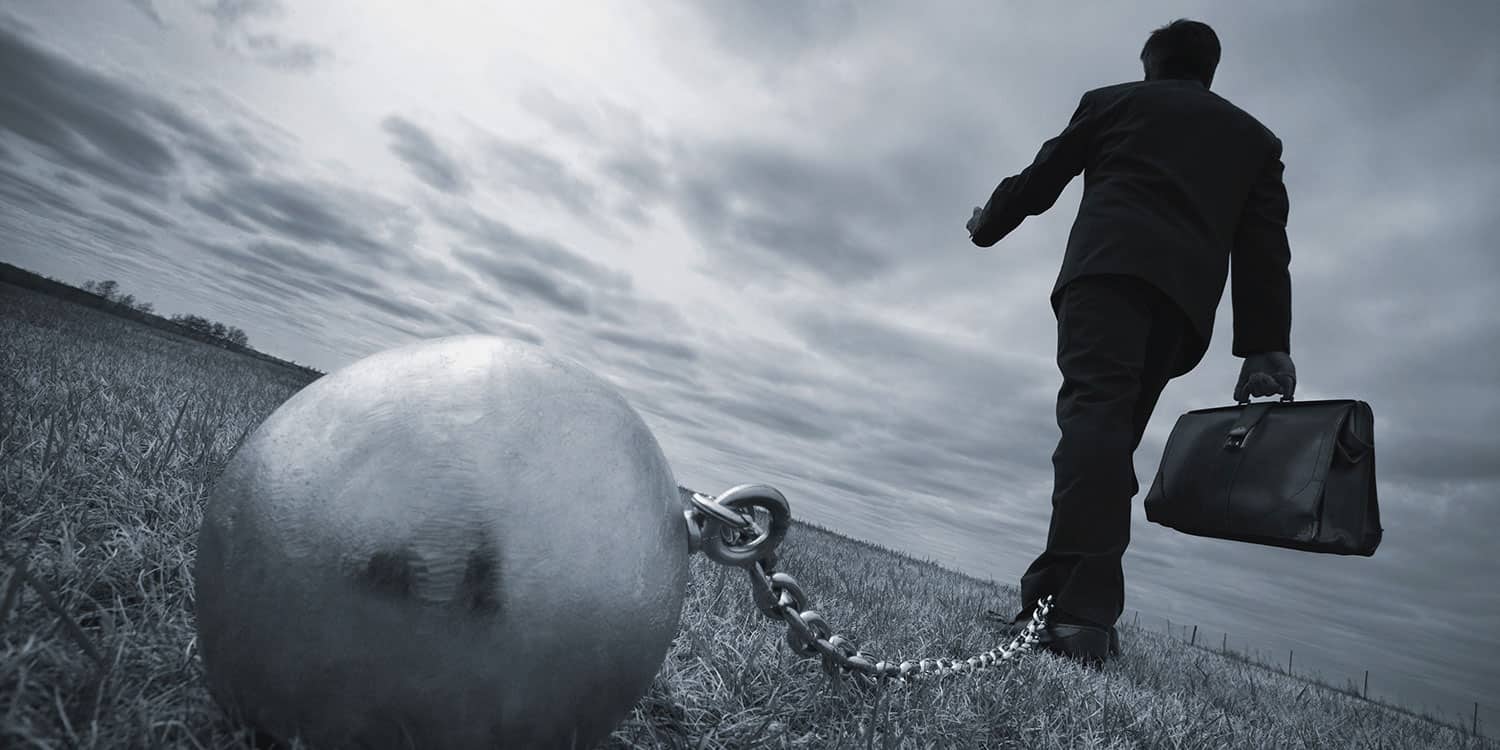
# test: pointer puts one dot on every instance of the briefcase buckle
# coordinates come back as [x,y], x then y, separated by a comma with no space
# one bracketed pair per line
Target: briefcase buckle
[1236,439]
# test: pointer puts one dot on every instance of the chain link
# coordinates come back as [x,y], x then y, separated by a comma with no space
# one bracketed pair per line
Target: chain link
[719,528]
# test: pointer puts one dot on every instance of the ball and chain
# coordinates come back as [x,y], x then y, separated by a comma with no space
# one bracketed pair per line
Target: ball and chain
[728,529]
[406,528]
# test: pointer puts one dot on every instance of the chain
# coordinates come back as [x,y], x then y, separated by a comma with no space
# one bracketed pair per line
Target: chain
[727,530]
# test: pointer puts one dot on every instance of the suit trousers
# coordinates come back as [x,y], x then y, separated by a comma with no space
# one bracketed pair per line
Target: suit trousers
[1119,341]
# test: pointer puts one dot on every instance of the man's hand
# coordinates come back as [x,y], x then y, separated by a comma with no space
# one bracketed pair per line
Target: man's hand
[1266,374]
[974,221]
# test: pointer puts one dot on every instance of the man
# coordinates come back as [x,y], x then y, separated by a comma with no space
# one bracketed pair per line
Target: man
[1180,187]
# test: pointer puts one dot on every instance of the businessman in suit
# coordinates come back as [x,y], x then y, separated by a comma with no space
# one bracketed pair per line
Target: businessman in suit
[1180,187]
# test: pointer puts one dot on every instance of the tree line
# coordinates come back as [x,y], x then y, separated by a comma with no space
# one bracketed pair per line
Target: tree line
[110,290]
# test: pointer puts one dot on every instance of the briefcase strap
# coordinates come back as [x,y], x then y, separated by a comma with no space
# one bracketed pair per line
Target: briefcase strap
[1249,418]
[1348,430]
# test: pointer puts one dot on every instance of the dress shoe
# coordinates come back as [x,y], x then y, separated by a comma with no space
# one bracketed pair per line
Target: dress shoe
[1014,627]
[1088,644]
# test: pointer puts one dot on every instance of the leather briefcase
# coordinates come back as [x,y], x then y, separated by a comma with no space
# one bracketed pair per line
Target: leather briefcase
[1294,474]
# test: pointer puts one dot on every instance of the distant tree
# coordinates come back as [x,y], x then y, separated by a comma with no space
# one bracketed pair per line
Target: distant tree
[110,290]
[193,322]
[212,328]
[106,289]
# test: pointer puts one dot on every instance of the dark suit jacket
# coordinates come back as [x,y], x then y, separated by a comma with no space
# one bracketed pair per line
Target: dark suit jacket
[1179,184]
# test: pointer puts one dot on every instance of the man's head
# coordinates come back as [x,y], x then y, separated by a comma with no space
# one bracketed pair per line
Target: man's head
[1182,49]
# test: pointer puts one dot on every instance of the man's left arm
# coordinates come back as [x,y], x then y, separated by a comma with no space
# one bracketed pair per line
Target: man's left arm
[1037,187]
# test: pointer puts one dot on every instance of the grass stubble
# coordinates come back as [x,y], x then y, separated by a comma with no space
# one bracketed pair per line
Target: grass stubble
[111,434]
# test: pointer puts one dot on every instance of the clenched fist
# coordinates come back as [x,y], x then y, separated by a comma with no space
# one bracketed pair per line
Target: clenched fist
[1266,374]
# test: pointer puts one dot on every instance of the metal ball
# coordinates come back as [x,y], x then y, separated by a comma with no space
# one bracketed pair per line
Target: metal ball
[461,543]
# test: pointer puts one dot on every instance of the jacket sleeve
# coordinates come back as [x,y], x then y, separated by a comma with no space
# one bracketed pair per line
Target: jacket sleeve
[1259,266]
[1037,187]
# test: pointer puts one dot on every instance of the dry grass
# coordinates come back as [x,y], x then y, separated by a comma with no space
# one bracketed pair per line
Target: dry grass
[111,433]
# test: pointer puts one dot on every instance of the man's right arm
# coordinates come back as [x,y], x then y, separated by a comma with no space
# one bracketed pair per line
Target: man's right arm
[1259,266]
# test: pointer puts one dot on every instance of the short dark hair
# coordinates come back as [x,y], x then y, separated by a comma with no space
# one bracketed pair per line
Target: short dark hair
[1182,49]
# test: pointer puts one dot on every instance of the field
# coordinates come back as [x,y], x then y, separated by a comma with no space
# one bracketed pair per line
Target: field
[111,434]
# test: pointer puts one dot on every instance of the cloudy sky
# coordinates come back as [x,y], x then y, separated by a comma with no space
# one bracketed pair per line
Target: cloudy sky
[750,216]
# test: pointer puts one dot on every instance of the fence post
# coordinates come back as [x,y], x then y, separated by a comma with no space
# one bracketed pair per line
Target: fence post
[1224,647]
[1474,730]
[1137,620]
[1288,661]
[1195,636]
[1367,684]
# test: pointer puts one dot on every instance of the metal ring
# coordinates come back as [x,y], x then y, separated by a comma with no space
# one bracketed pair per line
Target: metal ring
[863,665]
[695,531]
[710,506]
[784,585]
[805,631]
[830,664]
[762,593]
[841,643]
[751,496]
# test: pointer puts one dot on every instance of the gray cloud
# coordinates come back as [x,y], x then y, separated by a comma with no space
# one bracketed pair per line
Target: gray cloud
[658,371]
[481,231]
[538,282]
[562,116]
[428,161]
[776,36]
[644,176]
[148,215]
[279,53]
[102,126]
[234,154]
[118,228]
[490,299]
[251,264]
[516,166]
[319,277]
[630,162]
[479,311]
[910,357]
[519,332]
[215,210]
[782,416]
[84,120]
[232,19]
[30,194]
[767,210]
[654,345]
[234,12]
[149,10]
[66,177]
[306,210]
[600,122]
[294,260]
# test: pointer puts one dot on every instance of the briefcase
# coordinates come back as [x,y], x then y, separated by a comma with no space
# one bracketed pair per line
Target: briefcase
[1293,474]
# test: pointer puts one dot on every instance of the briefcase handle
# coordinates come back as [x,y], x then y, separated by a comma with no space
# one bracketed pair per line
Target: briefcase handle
[1284,399]
[1249,418]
